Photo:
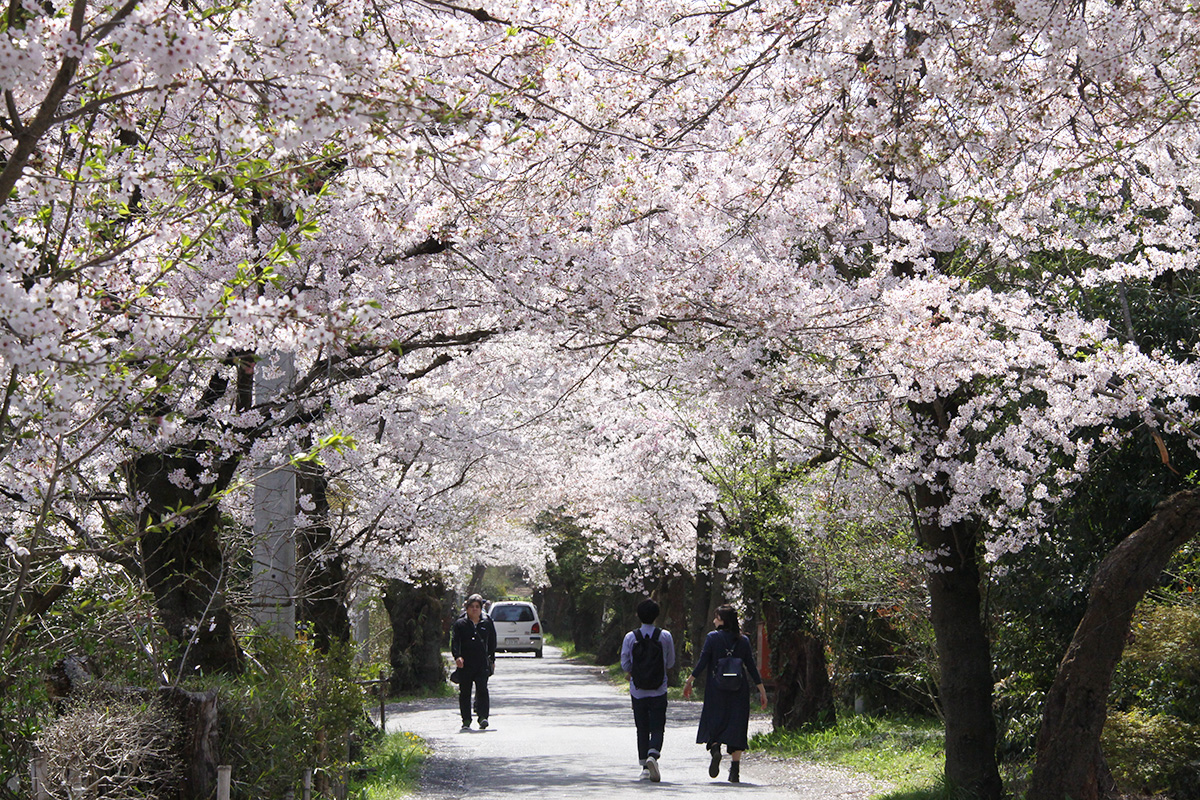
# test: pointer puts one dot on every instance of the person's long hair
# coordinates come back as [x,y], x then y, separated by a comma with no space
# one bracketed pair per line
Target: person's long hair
[729,620]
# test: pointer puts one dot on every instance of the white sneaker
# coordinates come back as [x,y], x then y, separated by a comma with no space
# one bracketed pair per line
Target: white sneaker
[645,775]
[652,768]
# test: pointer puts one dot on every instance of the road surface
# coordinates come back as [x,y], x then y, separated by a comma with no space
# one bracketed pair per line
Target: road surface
[559,729]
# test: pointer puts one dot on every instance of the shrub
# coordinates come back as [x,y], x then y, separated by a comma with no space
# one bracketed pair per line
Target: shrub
[1160,668]
[294,709]
[1153,753]
[1152,737]
[114,747]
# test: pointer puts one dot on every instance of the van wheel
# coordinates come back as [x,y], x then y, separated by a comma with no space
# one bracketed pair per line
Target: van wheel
[537,653]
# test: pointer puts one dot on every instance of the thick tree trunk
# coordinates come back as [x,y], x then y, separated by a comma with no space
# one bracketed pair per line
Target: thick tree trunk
[197,713]
[964,653]
[675,617]
[587,625]
[417,613]
[1069,762]
[321,574]
[612,632]
[804,694]
[181,557]
[554,608]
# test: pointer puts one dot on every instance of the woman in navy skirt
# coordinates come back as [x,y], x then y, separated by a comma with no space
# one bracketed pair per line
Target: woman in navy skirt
[725,717]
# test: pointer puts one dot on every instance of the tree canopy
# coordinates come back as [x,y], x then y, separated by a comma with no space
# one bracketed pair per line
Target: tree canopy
[478,263]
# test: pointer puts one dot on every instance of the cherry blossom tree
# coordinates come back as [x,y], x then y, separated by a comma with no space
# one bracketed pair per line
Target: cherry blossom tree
[890,219]
[881,223]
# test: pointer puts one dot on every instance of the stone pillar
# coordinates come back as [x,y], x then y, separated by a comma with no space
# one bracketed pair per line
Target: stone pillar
[274,580]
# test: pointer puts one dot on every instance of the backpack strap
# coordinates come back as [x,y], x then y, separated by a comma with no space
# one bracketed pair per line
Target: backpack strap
[638,635]
[654,636]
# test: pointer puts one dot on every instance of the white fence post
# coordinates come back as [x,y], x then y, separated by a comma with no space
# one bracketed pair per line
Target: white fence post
[37,777]
[224,778]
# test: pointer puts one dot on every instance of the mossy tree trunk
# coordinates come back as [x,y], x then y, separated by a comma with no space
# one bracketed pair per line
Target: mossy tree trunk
[418,615]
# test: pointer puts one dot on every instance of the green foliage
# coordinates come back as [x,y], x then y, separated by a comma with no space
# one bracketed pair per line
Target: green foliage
[498,583]
[1153,753]
[1152,735]
[105,622]
[566,645]
[1160,671]
[908,752]
[821,571]
[575,569]
[390,767]
[337,442]
[21,702]
[294,708]
[1018,704]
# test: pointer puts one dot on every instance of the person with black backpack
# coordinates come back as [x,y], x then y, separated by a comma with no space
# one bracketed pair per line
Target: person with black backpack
[725,716]
[646,655]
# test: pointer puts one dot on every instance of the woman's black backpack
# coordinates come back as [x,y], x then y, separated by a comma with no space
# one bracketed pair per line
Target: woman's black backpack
[730,672]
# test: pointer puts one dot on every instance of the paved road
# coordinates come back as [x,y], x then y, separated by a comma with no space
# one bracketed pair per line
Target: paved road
[559,729]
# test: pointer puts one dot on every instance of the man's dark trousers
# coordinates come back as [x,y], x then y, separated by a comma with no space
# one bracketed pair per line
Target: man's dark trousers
[650,717]
[482,700]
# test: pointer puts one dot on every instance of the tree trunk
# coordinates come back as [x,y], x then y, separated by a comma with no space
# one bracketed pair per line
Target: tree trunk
[181,556]
[701,588]
[1069,761]
[804,694]
[416,611]
[197,713]
[964,653]
[675,618]
[612,632]
[554,608]
[475,585]
[321,573]
[587,624]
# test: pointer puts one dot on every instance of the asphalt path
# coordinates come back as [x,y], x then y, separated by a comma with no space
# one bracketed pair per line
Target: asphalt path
[561,729]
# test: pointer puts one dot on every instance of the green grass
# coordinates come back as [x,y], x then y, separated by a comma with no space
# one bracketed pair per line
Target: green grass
[567,645]
[907,752]
[393,766]
[444,689]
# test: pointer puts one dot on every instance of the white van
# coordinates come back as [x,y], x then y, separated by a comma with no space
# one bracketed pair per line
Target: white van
[518,628]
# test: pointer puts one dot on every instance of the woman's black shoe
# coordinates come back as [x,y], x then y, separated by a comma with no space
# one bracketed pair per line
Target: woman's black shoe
[734,769]
[714,766]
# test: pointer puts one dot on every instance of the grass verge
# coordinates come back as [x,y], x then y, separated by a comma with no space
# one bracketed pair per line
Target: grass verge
[566,645]
[907,752]
[390,768]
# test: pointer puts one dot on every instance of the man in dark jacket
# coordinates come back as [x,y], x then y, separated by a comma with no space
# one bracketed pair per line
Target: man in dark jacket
[473,646]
